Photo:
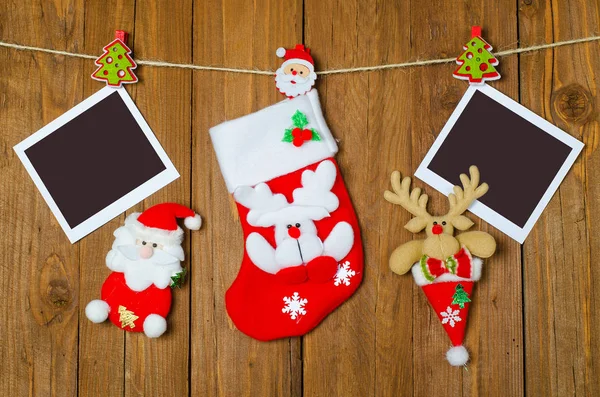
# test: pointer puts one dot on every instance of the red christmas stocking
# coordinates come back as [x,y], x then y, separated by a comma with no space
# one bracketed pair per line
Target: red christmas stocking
[303,256]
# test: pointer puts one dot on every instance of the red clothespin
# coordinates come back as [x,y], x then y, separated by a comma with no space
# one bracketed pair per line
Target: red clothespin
[122,35]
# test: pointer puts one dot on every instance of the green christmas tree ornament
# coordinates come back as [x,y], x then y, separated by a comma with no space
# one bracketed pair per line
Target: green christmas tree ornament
[460,297]
[476,63]
[116,64]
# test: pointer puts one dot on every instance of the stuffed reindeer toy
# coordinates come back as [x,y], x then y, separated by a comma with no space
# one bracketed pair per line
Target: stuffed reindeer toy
[443,265]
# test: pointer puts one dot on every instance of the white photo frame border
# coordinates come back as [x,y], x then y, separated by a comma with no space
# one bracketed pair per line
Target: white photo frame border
[478,208]
[152,185]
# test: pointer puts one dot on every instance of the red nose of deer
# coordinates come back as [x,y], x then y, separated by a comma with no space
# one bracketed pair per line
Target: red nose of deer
[294,232]
[437,229]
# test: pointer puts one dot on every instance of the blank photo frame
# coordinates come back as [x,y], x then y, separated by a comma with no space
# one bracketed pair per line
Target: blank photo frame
[520,155]
[96,161]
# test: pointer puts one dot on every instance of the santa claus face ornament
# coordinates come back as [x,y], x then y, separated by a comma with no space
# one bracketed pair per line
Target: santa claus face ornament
[145,260]
[296,76]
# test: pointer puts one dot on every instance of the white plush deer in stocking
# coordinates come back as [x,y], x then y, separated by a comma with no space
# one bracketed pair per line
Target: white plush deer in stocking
[296,239]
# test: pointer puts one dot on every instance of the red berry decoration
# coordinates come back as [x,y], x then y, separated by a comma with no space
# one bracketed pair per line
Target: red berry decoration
[298,133]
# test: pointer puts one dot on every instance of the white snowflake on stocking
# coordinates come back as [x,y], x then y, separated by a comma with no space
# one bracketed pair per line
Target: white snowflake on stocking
[450,316]
[344,274]
[294,305]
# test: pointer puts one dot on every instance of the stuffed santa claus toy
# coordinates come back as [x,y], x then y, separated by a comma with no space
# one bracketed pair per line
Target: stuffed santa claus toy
[145,260]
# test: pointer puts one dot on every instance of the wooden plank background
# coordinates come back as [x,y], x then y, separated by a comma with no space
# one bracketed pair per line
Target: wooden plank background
[534,324]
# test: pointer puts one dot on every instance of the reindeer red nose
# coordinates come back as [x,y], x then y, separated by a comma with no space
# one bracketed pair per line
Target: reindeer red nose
[437,229]
[294,232]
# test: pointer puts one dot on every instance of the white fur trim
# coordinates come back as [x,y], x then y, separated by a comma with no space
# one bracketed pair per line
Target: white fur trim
[299,61]
[161,236]
[193,222]
[280,52]
[154,326]
[250,149]
[420,279]
[97,311]
[457,356]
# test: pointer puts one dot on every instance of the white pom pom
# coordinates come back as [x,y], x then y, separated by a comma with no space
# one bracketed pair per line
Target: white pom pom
[457,356]
[154,326]
[280,52]
[193,222]
[97,311]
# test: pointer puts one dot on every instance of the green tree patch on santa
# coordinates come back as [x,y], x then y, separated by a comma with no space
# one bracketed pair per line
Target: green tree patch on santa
[476,62]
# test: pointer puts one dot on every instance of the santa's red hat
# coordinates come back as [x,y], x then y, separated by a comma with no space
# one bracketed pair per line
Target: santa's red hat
[299,54]
[159,223]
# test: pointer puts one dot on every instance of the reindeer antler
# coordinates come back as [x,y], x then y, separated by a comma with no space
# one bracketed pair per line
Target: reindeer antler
[461,199]
[414,202]
[259,200]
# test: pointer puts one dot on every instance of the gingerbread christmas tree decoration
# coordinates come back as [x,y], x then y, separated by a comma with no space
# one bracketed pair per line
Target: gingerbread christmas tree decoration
[116,64]
[476,62]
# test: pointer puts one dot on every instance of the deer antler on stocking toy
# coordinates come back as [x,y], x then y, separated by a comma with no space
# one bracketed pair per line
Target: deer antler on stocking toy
[443,265]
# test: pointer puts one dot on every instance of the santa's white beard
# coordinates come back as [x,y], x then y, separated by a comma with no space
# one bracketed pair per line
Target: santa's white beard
[142,273]
[285,86]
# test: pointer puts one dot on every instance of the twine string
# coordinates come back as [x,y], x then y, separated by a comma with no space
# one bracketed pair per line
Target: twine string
[163,64]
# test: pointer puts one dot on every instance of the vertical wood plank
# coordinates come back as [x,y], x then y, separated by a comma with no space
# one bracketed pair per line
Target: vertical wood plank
[235,34]
[494,329]
[340,354]
[561,276]
[159,367]
[101,346]
[39,268]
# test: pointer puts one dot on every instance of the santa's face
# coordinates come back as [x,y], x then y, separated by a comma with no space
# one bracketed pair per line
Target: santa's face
[294,79]
[144,262]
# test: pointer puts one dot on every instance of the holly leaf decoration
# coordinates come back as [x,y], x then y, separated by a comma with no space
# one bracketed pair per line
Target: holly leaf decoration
[299,119]
[178,279]
[315,135]
[287,136]
[298,134]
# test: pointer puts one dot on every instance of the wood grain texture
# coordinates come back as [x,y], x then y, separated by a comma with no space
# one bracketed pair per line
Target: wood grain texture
[39,268]
[237,34]
[561,278]
[102,346]
[532,326]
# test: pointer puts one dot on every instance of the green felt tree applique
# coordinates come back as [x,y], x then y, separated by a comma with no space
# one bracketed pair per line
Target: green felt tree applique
[178,279]
[460,297]
[298,134]
[116,64]
[476,62]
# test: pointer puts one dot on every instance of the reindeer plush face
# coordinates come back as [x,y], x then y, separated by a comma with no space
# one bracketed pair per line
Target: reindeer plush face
[292,222]
[312,202]
[440,242]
